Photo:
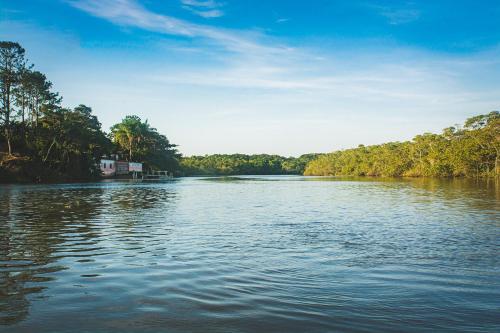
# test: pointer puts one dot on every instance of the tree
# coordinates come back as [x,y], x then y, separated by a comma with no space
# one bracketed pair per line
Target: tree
[71,141]
[241,164]
[158,153]
[143,143]
[484,131]
[57,143]
[129,133]
[12,63]
[33,97]
[473,150]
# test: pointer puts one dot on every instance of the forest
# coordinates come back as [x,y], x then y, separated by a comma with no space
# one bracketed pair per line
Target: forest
[241,164]
[41,140]
[471,150]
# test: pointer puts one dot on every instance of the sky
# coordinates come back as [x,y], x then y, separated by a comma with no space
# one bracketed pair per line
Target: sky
[267,76]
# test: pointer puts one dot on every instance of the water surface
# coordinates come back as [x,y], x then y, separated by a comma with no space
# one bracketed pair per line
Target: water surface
[251,254]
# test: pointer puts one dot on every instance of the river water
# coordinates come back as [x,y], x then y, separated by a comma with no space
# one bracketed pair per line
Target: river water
[251,254]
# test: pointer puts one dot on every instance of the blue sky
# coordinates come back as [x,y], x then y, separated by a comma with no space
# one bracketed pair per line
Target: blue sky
[285,77]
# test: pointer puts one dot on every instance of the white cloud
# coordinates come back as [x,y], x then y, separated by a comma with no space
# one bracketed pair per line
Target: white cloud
[224,85]
[132,14]
[212,13]
[207,3]
[206,9]
[254,62]
[282,20]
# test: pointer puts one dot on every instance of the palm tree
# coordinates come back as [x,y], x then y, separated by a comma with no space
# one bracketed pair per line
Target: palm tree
[129,133]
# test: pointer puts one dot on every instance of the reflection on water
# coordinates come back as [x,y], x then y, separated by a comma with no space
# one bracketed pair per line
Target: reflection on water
[251,254]
[47,225]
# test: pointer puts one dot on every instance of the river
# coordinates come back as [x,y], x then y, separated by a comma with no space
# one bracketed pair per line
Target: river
[251,254]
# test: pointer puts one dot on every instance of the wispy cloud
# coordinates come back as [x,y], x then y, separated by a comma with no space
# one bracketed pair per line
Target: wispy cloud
[282,20]
[243,82]
[206,13]
[132,14]
[206,9]
[206,4]
[398,14]
[255,62]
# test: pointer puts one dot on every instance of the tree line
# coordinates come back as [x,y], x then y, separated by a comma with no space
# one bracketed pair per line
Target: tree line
[241,164]
[40,140]
[471,150]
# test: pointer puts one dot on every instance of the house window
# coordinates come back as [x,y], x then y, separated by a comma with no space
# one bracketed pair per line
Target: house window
[104,165]
[111,165]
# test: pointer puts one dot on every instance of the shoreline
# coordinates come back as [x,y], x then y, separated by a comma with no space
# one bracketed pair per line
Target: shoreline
[339,177]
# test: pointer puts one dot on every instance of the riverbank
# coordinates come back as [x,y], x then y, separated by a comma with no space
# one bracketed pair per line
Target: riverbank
[17,169]
[24,171]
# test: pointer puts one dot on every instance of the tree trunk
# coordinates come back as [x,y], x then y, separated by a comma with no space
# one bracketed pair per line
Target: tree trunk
[130,150]
[497,166]
[7,123]
[7,137]
[7,119]
[23,106]
[23,119]
[48,151]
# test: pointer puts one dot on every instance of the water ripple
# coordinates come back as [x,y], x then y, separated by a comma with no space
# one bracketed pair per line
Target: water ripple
[251,254]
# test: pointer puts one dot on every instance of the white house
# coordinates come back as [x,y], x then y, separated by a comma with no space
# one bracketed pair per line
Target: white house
[108,168]
[111,168]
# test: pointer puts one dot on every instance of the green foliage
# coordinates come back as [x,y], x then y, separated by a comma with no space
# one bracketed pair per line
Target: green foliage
[240,164]
[472,151]
[130,134]
[141,143]
[12,63]
[71,141]
[44,141]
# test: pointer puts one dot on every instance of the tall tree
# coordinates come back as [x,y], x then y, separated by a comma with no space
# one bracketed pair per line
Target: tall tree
[129,134]
[41,98]
[71,141]
[12,63]
[144,144]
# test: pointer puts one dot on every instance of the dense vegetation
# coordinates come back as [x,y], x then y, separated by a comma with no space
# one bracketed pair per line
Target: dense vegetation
[137,141]
[42,141]
[240,164]
[471,151]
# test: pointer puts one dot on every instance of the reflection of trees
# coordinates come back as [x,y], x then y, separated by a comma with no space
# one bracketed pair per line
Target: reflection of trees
[480,193]
[129,202]
[37,224]
[40,225]
[138,198]
[477,194]
[13,304]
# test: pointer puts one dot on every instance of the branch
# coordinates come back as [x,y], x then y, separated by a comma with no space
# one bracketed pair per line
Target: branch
[48,151]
